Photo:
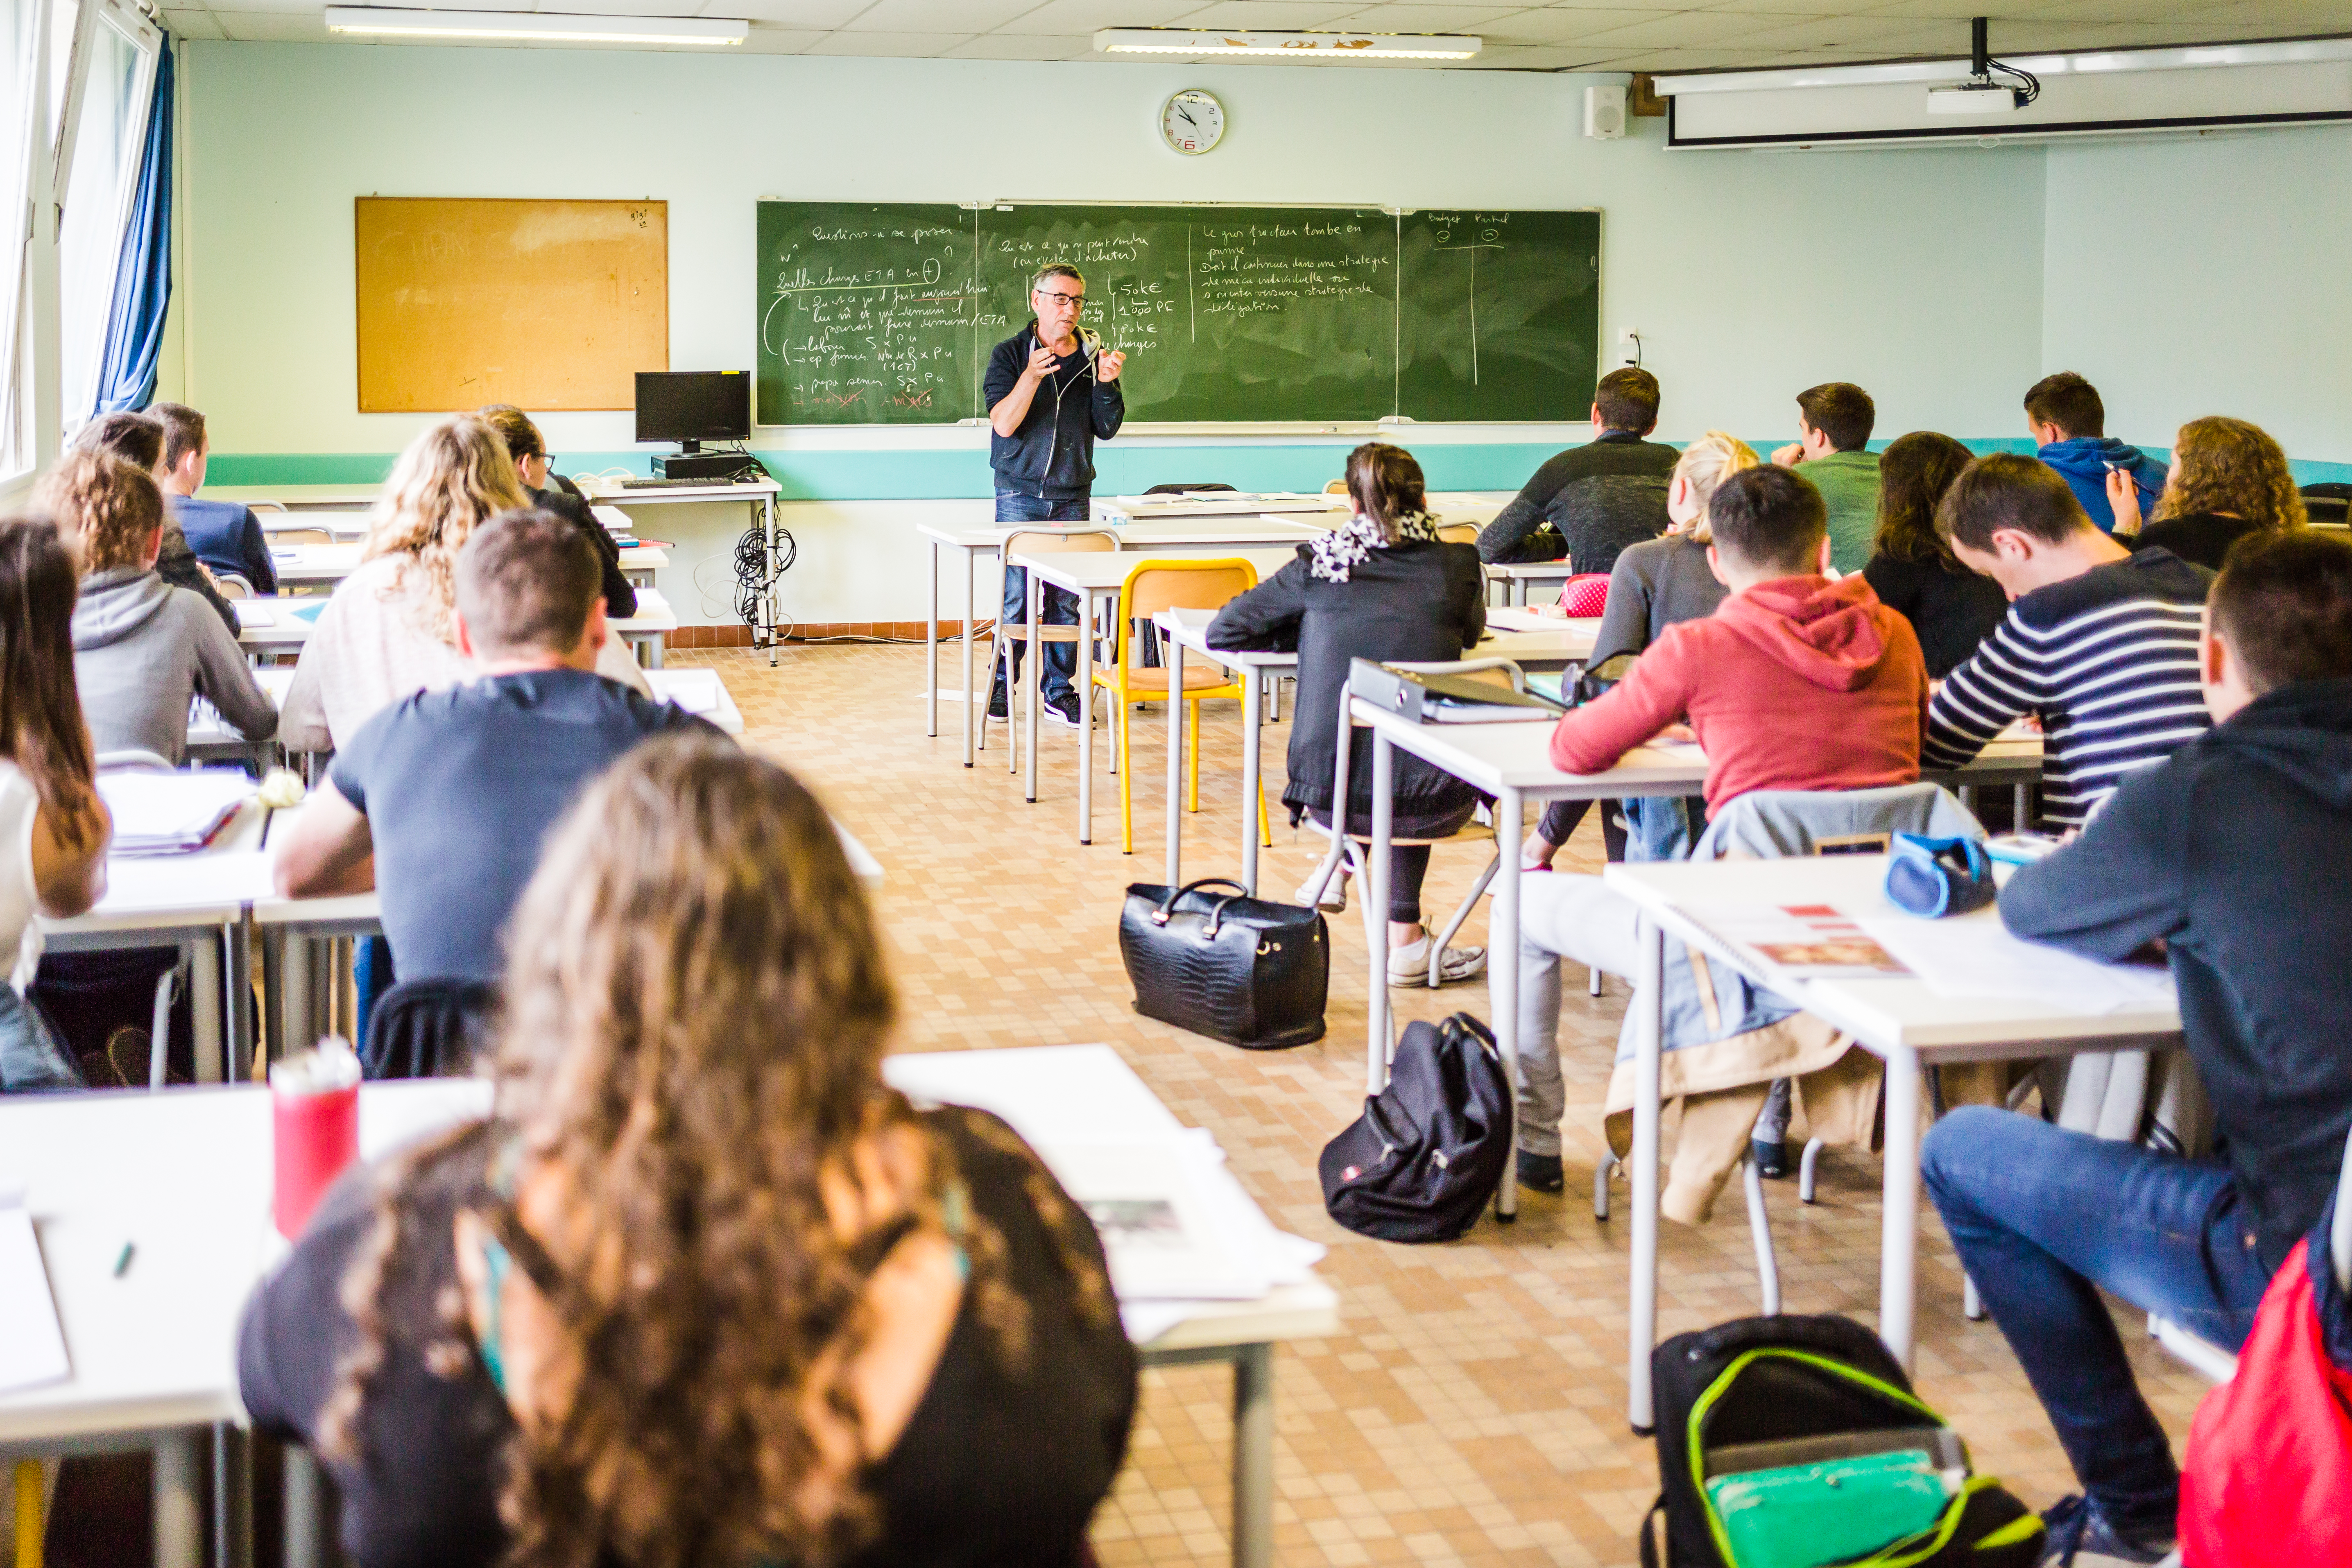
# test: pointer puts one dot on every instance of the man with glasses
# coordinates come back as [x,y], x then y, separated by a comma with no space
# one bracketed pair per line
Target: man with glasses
[1053,392]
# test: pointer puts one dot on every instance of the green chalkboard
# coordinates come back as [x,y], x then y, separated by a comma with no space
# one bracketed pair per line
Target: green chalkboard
[886,314]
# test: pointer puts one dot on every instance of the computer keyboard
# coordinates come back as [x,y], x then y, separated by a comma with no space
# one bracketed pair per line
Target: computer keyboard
[661,484]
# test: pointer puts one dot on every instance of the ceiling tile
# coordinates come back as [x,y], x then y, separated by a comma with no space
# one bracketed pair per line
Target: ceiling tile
[273,26]
[1533,27]
[1024,47]
[1427,18]
[963,17]
[886,46]
[2277,18]
[1275,14]
[809,16]
[1085,15]
[1664,62]
[192,24]
[1885,36]
[610,7]
[1693,29]
[768,40]
[1541,57]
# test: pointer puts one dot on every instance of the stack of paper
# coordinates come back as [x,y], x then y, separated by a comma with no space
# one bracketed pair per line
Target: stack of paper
[32,1346]
[170,814]
[1974,955]
[1806,941]
[252,614]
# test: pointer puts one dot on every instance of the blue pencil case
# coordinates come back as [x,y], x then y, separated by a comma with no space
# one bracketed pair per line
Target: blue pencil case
[1934,877]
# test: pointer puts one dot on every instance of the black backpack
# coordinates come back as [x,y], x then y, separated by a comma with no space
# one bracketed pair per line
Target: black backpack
[1782,1426]
[1428,1152]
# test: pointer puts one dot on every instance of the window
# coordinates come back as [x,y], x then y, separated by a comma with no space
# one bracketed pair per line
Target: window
[110,131]
[17,67]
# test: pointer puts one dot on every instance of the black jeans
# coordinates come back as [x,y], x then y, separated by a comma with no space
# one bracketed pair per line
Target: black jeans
[1408,863]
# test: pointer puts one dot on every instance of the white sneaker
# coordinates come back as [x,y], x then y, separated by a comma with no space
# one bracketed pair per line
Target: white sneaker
[1410,965]
[1335,893]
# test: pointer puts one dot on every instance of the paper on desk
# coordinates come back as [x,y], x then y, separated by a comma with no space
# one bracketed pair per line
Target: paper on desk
[695,696]
[1513,619]
[1164,1236]
[612,518]
[1975,955]
[249,614]
[32,1346]
[1805,941]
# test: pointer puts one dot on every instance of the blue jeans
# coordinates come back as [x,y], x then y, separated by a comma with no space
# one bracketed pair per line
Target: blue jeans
[2043,1219]
[32,1057]
[1060,608]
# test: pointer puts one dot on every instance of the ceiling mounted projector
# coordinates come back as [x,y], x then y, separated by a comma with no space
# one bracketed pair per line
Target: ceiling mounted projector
[1980,94]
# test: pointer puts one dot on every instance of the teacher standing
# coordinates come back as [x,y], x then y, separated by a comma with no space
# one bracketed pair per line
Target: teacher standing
[1052,392]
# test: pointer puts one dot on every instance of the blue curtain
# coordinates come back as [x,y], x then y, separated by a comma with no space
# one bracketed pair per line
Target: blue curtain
[143,277]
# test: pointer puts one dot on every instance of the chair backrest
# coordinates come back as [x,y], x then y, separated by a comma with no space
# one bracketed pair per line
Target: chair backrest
[1585,595]
[266,505]
[1334,488]
[427,1028]
[131,759]
[1059,541]
[1770,824]
[233,585]
[1457,533]
[1156,585]
[1181,489]
[304,535]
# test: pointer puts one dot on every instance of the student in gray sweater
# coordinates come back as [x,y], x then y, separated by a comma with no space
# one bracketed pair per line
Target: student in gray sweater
[141,648]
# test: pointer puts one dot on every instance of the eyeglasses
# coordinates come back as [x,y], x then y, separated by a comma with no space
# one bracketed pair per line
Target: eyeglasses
[1076,301]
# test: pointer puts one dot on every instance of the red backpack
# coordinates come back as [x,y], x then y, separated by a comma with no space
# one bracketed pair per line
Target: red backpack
[2268,1474]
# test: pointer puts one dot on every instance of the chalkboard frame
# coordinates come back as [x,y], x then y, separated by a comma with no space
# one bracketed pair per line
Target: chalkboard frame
[974,214]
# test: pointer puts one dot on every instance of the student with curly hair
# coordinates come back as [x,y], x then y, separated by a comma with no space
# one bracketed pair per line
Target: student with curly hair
[704,1288]
[2228,479]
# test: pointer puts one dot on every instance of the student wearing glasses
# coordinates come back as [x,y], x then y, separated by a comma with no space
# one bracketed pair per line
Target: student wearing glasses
[1053,392]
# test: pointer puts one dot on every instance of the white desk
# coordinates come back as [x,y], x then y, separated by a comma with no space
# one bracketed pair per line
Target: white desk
[1212,503]
[700,692]
[301,499]
[210,736]
[275,623]
[1512,763]
[759,495]
[645,631]
[1177,538]
[185,1178]
[1097,580]
[1515,577]
[1898,1019]
[1086,1094]
[330,563]
[1561,643]
[640,562]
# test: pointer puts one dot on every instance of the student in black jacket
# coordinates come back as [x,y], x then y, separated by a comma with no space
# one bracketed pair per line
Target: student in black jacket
[1384,588]
[1912,569]
[1589,502]
[2229,480]
[553,492]
[2230,855]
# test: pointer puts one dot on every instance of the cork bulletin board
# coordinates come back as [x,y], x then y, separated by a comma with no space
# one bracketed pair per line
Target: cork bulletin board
[547,304]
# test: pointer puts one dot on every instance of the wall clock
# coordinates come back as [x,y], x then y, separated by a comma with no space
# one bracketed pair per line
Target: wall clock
[1192,122]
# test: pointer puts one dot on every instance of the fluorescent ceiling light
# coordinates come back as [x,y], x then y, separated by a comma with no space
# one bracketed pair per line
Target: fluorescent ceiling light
[2090,62]
[1305,47]
[532,27]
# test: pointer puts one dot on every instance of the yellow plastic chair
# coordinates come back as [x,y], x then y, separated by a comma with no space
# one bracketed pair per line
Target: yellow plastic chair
[1153,587]
[1336,487]
[1043,541]
[29,1513]
[306,534]
[1457,533]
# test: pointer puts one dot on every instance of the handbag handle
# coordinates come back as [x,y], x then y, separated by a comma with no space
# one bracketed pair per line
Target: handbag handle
[1168,905]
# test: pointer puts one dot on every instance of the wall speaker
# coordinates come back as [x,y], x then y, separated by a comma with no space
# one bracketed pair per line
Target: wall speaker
[1604,112]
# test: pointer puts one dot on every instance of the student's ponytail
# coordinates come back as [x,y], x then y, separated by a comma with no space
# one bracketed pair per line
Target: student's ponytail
[1705,464]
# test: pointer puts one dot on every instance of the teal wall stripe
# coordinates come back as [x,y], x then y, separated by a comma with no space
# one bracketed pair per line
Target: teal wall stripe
[1122,470]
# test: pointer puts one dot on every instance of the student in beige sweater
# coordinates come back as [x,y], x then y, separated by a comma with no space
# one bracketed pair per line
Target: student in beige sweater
[388,631]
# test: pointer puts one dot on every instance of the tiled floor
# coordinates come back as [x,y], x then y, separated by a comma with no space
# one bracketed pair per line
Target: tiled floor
[1471,1410]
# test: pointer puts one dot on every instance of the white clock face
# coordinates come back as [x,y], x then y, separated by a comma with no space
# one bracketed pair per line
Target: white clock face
[1192,122]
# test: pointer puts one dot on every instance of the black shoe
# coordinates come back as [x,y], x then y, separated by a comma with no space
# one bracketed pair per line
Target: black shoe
[996,707]
[1063,709]
[2076,1529]
[1772,1159]
[1541,1172]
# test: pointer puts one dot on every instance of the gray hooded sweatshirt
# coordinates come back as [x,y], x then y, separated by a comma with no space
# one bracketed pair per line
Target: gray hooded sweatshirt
[141,650]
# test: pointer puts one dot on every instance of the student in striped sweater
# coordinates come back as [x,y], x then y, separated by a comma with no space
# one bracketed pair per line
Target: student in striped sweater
[2100,644]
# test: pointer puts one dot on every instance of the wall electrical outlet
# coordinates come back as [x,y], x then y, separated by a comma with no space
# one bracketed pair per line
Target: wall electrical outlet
[1629,345]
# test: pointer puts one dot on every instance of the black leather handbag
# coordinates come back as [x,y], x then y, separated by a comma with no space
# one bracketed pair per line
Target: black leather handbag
[1245,971]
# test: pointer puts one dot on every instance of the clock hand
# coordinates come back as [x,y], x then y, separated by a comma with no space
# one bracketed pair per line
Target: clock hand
[1188,116]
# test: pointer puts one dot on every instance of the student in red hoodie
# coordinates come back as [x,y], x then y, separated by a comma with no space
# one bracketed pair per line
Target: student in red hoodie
[1795,682]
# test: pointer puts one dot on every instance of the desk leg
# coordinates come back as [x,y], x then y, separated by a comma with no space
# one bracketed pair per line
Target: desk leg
[278,999]
[1376,909]
[654,650]
[768,599]
[967,659]
[1253,699]
[931,653]
[1036,680]
[1503,960]
[311,1511]
[1642,1328]
[1175,778]
[179,1511]
[1082,681]
[1254,1457]
[232,1496]
[1898,1245]
[2021,799]
[205,1005]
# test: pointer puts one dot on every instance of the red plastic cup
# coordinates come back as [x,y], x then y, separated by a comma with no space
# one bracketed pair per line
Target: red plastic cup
[315,1126]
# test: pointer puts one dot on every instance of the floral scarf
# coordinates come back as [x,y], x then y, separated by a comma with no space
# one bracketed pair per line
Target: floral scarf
[1347,547]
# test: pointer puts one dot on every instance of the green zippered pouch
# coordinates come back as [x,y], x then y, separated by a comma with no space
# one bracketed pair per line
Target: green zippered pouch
[1829,1510]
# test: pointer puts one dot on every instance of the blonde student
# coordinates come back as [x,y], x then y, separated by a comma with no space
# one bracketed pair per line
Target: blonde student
[390,629]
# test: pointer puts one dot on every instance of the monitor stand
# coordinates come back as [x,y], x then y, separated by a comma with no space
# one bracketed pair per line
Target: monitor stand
[693,463]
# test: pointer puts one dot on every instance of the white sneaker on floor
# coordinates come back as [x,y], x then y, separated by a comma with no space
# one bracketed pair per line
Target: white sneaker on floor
[1410,965]
[1335,893]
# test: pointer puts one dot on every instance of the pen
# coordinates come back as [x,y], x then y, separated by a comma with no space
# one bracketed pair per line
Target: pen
[268,815]
[123,1263]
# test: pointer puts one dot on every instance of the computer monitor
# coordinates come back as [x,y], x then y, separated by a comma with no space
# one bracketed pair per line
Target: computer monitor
[691,407]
